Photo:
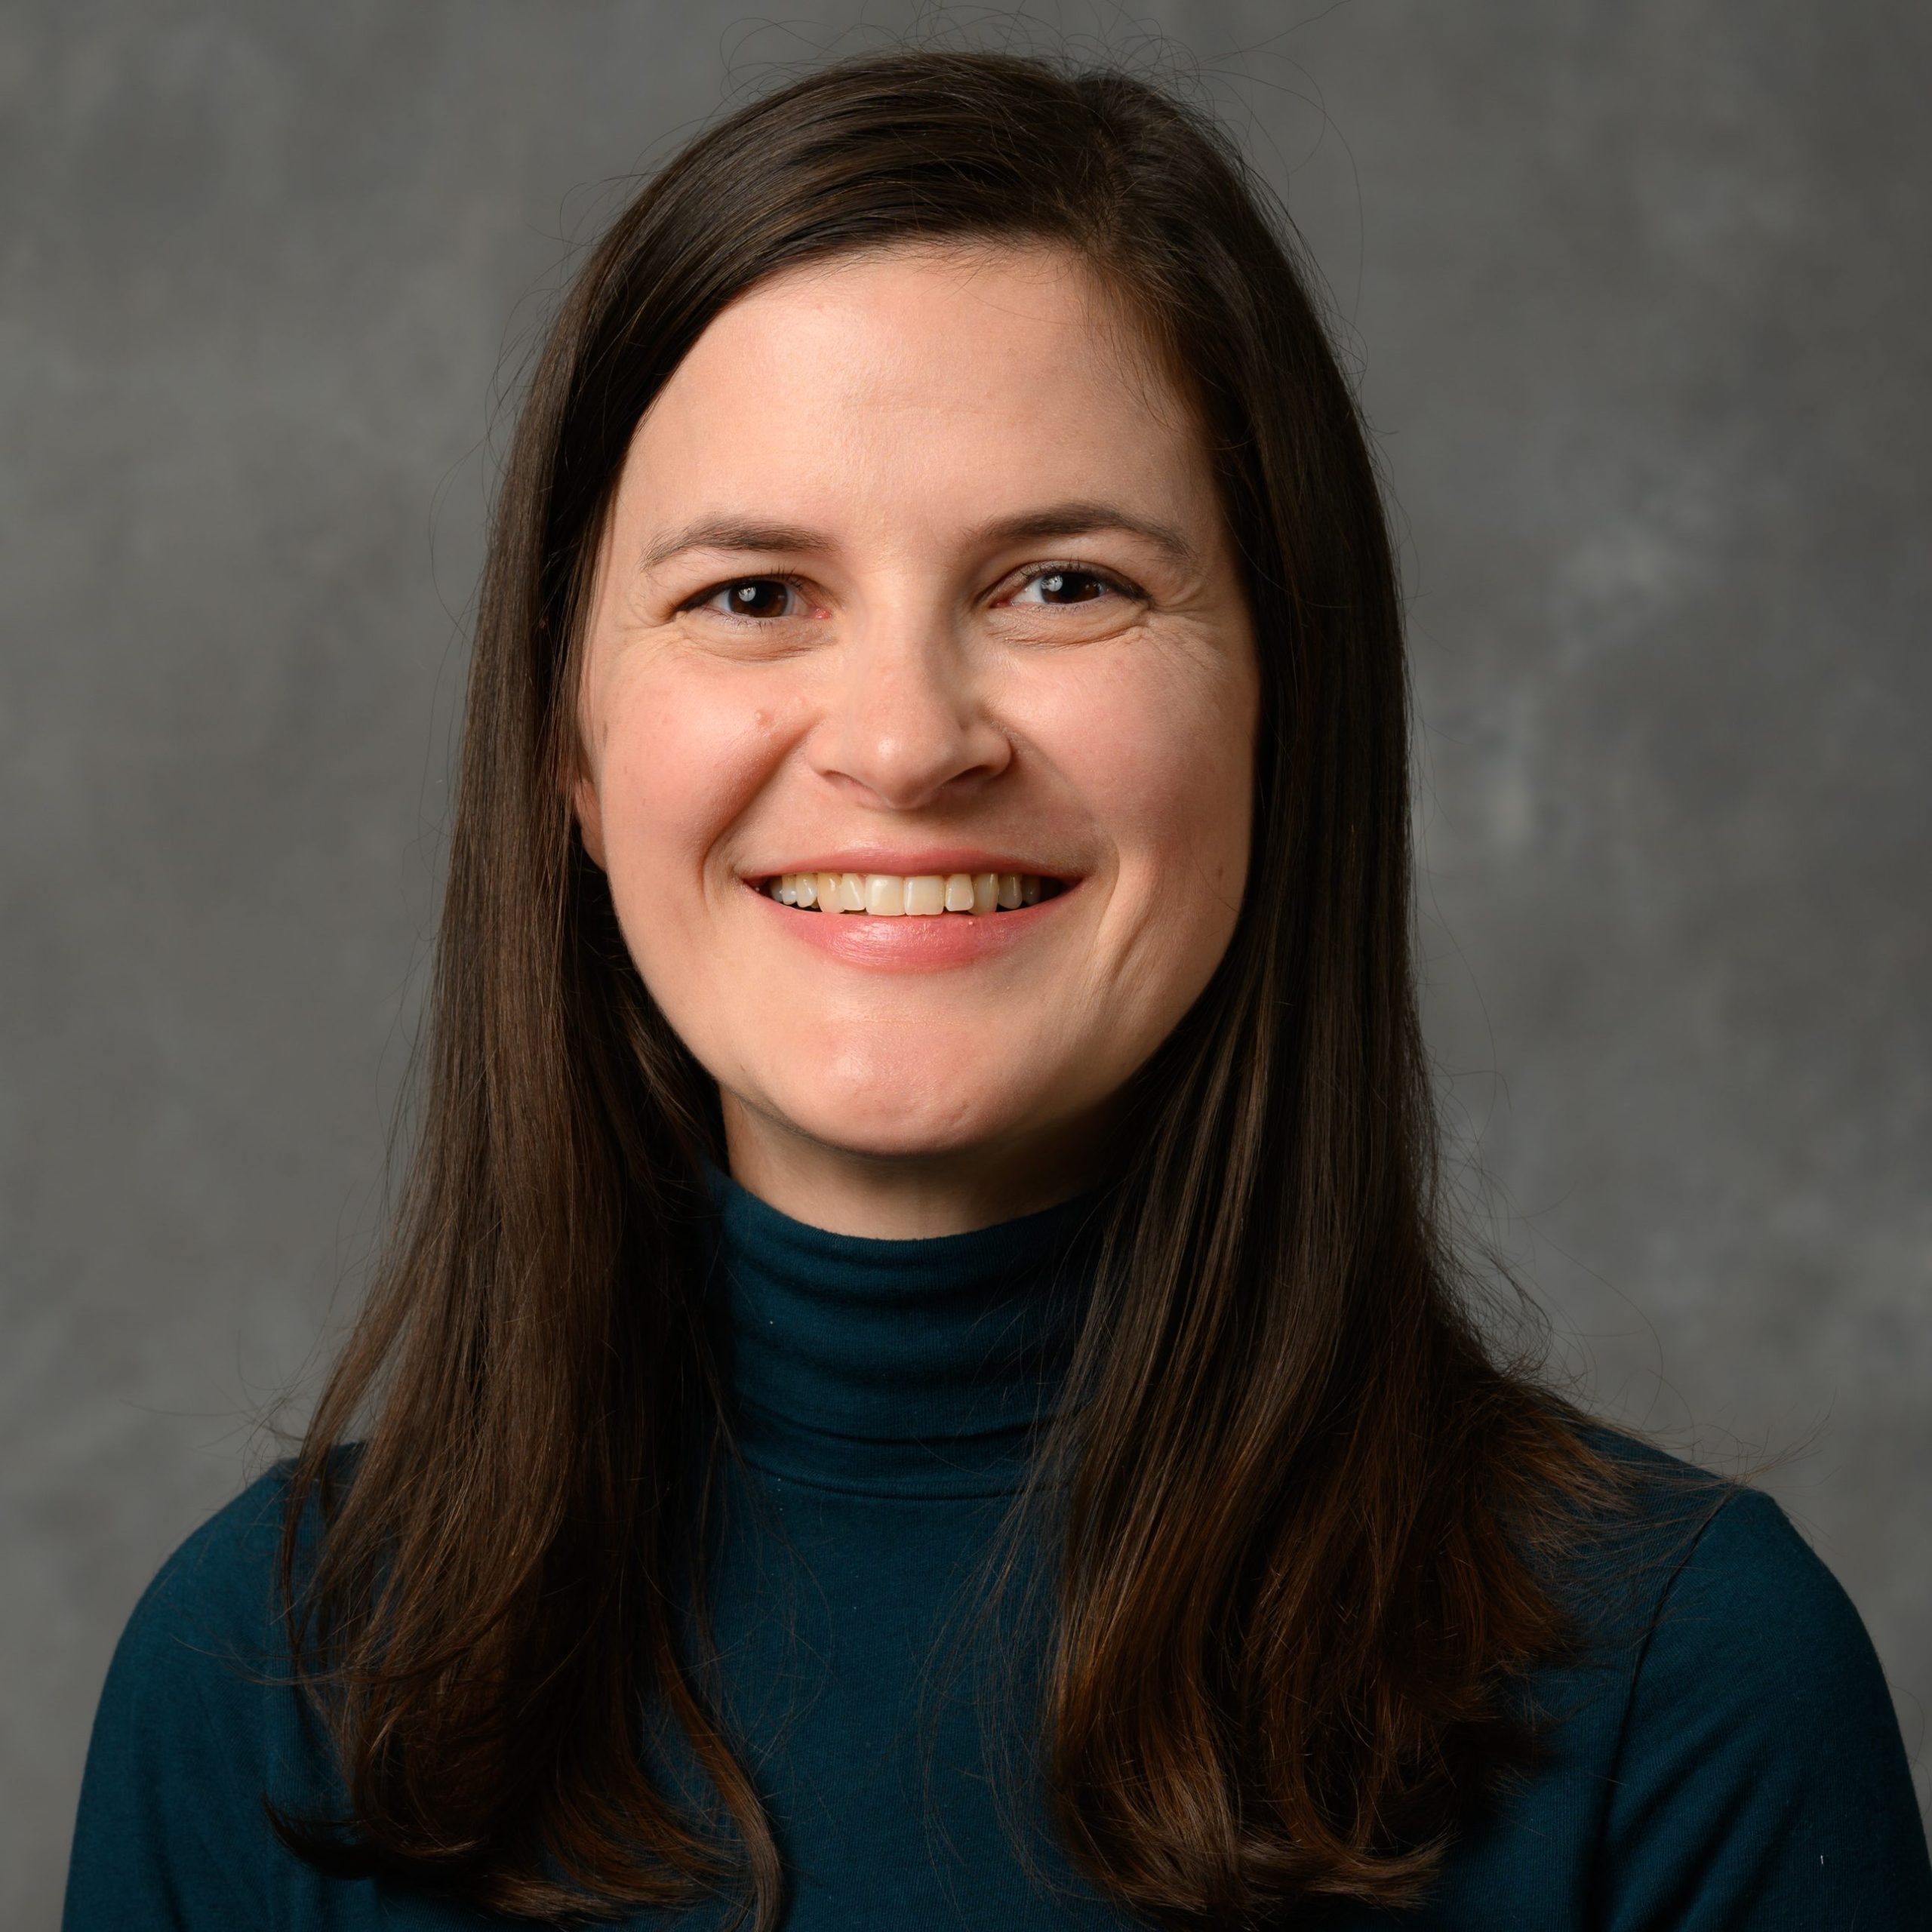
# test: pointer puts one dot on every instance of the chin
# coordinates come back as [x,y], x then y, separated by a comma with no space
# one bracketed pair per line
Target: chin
[880,1124]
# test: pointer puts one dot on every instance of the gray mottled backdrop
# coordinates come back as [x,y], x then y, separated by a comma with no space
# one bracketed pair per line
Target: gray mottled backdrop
[1639,295]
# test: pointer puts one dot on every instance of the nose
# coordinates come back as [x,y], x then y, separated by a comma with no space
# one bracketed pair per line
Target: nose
[909,724]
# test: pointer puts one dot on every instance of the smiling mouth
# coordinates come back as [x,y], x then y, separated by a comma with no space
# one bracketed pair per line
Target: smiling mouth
[918,895]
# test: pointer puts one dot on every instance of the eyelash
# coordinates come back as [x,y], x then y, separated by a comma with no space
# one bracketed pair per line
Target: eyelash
[704,597]
[1068,566]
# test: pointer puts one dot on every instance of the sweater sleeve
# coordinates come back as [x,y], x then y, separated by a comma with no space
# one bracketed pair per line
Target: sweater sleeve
[171,1798]
[1760,1783]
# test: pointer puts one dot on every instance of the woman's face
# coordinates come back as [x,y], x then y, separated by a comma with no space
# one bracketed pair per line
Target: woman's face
[916,570]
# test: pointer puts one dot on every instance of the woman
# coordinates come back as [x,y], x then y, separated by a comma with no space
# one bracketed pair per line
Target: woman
[917,1381]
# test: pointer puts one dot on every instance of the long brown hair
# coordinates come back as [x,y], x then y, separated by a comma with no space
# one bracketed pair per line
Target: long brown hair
[1306,1510]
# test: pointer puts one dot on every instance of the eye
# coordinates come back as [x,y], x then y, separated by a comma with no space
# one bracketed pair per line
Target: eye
[1061,585]
[757,598]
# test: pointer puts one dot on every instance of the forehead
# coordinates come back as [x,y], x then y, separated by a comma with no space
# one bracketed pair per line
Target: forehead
[922,368]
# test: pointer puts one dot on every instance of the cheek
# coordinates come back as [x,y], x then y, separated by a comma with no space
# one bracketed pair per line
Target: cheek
[677,765]
[1163,752]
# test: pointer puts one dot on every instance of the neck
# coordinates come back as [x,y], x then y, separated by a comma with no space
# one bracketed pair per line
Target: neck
[902,1196]
[920,1366]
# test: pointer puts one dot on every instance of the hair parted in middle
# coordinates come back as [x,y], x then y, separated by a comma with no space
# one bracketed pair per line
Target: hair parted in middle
[1306,1515]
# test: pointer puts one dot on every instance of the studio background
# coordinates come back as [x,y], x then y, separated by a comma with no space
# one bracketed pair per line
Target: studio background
[1638,294]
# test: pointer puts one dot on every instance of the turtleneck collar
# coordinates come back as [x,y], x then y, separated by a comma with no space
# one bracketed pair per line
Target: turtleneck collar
[909,1368]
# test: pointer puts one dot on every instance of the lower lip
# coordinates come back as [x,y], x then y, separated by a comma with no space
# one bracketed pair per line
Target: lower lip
[914,942]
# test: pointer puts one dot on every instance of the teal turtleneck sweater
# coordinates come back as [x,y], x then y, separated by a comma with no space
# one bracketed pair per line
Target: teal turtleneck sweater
[1727,1760]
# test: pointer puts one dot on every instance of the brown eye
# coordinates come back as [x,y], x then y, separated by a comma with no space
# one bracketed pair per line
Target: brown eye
[1062,585]
[751,597]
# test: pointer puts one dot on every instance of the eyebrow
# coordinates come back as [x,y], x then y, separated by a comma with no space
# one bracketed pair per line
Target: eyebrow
[733,533]
[1080,517]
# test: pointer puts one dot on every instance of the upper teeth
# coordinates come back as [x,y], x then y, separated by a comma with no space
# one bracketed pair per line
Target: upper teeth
[890,894]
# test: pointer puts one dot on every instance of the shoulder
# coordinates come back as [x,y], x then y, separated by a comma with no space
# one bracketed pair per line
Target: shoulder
[1697,1562]
[198,1692]
[1750,1580]
[1751,1635]
[1758,1763]
[204,1655]
[196,1713]
[213,1602]
[1699,1577]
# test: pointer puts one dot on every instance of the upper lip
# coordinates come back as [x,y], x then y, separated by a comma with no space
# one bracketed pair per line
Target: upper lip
[926,859]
